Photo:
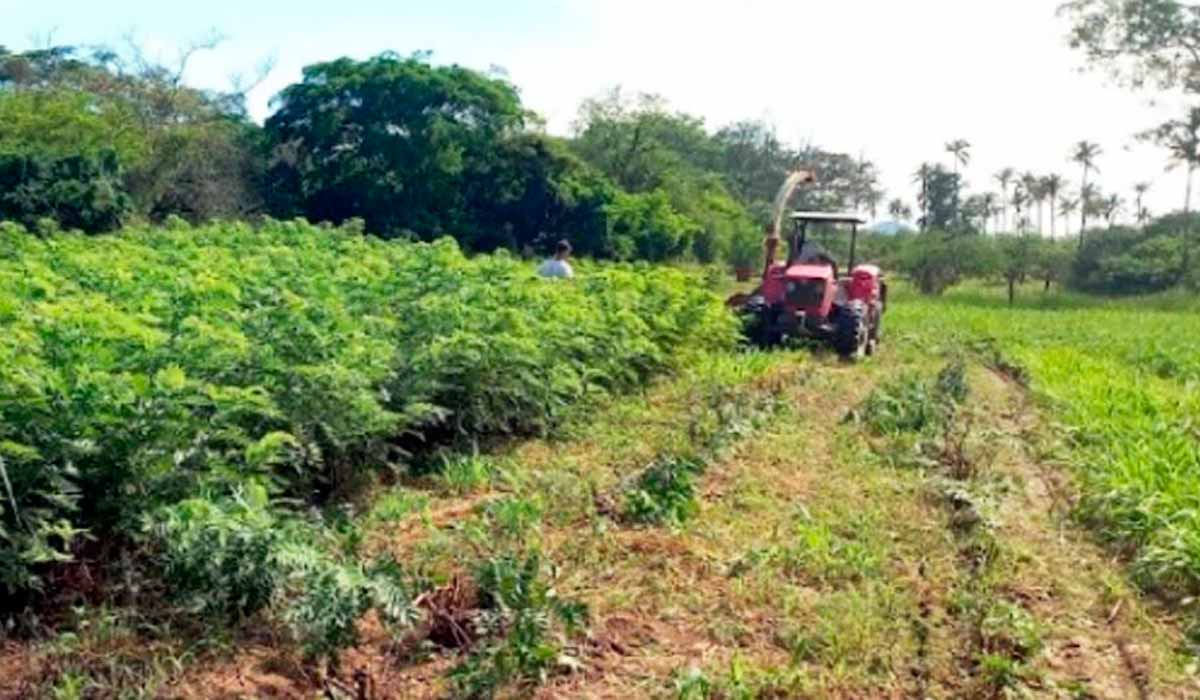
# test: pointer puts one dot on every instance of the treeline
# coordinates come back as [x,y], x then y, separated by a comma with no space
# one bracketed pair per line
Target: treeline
[1150,256]
[96,139]
[1113,261]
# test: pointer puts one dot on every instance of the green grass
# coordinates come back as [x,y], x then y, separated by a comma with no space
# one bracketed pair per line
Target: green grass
[1121,378]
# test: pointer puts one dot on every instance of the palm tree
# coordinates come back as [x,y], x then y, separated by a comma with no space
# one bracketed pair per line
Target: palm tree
[1091,202]
[1181,138]
[1067,205]
[1019,200]
[1004,177]
[960,149]
[1085,154]
[921,176]
[1030,183]
[1052,185]
[871,198]
[989,207]
[1112,205]
[1038,193]
[960,152]
[1142,214]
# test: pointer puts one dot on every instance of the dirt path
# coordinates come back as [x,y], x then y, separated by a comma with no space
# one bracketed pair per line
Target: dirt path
[1102,639]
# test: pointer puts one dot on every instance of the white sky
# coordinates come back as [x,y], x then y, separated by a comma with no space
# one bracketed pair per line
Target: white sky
[894,79]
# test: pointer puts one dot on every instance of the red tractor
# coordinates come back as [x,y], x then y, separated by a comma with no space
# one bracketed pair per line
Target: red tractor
[806,297]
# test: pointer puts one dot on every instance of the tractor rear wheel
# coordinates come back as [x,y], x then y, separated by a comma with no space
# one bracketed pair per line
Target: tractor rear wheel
[850,332]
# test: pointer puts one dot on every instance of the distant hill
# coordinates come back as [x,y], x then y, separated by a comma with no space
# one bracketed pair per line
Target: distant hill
[890,228]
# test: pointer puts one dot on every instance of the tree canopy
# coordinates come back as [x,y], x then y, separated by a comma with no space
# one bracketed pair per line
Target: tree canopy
[391,140]
[1153,43]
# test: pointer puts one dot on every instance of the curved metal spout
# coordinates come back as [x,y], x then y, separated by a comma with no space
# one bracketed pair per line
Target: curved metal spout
[794,180]
[782,197]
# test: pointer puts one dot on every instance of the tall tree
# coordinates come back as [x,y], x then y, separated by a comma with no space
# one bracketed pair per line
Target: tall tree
[1052,186]
[1091,202]
[940,187]
[639,142]
[1112,205]
[391,140]
[1067,205]
[1142,214]
[1181,139]
[960,154]
[753,160]
[865,188]
[921,177]
[1144,43]
[989,204]
[1031,186]
[1085,154]
[1004,177]
[975,210]
[181,150]
[1039,196]
[1019,199]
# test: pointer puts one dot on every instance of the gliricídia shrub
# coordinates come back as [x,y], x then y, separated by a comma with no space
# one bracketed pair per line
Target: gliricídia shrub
[236,557]
[141,369]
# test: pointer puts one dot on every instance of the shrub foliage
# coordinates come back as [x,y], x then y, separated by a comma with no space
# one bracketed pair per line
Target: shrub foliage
[155,366]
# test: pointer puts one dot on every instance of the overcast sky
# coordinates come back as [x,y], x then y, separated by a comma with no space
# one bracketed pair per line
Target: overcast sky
[894,79]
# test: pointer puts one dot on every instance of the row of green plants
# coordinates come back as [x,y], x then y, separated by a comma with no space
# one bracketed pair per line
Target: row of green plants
[727,407]
[1120,380]
[150,380]
[928,422]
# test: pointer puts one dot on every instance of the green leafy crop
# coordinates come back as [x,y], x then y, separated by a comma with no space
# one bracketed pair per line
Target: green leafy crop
[146,369]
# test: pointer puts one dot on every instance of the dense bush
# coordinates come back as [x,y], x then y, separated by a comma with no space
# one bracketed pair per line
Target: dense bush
[76,192]
[1125,260]
[937,260]
[183,151]
[230,558]
[141,369]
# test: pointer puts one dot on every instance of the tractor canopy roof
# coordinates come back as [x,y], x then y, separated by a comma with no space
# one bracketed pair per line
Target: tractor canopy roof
[823,217]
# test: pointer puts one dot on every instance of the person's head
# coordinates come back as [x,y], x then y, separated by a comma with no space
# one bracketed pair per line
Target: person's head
[563,250]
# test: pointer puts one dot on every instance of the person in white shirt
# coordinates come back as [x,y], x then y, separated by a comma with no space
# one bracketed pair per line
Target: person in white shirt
[558,266]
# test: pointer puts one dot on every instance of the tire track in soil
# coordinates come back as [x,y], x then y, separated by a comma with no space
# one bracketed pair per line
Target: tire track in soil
[1093,647]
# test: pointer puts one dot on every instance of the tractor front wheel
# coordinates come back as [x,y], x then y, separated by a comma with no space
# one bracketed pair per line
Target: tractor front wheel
[850,332]
[758,326]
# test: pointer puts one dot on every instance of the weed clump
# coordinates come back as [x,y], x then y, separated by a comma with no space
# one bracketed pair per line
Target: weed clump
[665,492]
[914,404]
[235,558]
[523,624]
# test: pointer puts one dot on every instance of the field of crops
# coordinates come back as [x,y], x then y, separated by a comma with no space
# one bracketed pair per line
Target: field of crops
[455,479]
[1121,379]
[158,387]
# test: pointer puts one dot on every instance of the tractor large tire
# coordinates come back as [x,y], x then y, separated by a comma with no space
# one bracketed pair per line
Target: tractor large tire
[850,332]
[758,328]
